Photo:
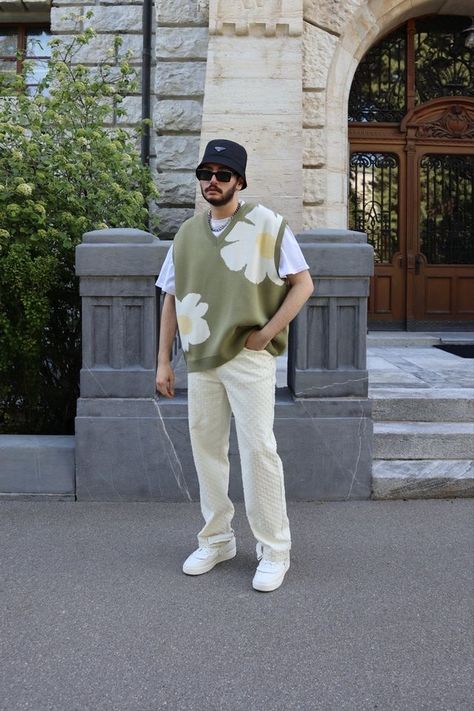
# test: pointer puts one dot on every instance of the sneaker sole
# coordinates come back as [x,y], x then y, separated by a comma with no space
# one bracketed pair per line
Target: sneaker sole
[210,566]
[268,588]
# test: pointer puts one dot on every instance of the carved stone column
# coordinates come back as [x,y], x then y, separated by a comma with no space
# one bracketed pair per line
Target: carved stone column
[124,448]
[327,355]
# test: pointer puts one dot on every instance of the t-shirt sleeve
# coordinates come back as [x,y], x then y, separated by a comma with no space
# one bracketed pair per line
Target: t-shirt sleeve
[165,279]
[292,260]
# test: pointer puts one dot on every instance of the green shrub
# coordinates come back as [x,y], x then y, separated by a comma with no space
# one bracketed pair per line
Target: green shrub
[62,172]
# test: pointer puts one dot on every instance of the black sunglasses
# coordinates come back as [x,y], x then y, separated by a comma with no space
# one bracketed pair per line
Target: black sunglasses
[223,176]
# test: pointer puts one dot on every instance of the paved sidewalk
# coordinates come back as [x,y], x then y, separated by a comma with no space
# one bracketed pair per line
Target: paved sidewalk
[375,613]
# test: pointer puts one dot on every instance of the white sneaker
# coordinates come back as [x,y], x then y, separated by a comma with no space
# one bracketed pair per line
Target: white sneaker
[270,573]
[206,557]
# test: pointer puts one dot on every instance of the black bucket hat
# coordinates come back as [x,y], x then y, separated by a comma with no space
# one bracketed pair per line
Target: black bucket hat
[228,153]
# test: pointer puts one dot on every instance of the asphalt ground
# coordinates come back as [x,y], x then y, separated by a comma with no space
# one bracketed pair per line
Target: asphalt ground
[376,611]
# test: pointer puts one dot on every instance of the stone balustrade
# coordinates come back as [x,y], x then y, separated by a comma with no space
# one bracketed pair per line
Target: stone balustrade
[132,445]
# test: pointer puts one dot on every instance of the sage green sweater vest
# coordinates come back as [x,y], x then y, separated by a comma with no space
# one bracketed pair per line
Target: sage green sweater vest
[227,285]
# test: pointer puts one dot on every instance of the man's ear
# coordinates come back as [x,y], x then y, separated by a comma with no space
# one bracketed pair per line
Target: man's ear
[240,183]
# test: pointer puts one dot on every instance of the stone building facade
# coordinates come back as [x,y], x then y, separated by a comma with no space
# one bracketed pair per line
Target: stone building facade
[273,74]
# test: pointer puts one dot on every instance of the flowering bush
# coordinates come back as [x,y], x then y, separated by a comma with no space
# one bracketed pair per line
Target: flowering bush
[63,171]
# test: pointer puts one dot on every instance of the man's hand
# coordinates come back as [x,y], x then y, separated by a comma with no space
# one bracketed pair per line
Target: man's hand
[165,379]
[257,340]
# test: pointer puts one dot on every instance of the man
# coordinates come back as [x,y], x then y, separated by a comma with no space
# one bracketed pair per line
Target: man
[234,278]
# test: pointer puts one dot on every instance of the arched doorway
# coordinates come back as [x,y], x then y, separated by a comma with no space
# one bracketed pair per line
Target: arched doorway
[411,132]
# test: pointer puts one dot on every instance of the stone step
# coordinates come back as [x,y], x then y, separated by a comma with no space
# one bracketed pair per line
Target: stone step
[423,440]
[422,479]
[396,339]
[453,405]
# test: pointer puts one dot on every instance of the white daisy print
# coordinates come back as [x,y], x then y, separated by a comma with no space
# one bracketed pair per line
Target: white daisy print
[193,329]
[255,253]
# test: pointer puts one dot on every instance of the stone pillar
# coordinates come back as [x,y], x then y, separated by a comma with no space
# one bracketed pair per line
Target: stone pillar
[327,354]
[253,94]
[123,447]
[324,429]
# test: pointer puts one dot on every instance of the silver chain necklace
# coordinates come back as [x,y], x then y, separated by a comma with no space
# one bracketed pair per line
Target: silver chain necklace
[226,223]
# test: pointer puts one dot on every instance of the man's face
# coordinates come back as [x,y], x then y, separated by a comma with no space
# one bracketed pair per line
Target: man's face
[219,193]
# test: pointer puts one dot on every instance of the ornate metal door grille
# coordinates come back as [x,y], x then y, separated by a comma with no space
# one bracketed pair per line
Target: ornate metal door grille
[378,91]
[374,201]
[447,208]
[423,60]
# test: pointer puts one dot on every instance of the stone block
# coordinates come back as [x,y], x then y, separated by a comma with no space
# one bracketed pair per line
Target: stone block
[336,183]
[181,43]
[116,18]
[97,51]
[314,109]
[140,450]
[318,52]
[132,453]
[183,115]
[331,14]
[177,152]
[314,147]
[419,405]
[334,459]
[171,220]
[314,187]
[133,107]
[364,31]
[37,464]
[180,12]
[313,216]
[132,44]
[424,440]
[110,258]
[261,97]
[327,259]
[62,21]
[177,187]
[271,58]
[422,479]
[180,78]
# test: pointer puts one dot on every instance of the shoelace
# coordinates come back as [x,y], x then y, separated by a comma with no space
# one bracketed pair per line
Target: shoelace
[268,565]
[206,550]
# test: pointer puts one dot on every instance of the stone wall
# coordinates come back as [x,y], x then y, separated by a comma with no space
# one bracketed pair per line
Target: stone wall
[253,95]
[181,54]
[110,18]
[275,75]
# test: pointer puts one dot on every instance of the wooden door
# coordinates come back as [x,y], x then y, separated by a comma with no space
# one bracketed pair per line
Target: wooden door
[378,207]
[412,178]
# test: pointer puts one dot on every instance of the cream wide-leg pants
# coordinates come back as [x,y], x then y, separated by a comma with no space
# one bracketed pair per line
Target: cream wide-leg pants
[244,386]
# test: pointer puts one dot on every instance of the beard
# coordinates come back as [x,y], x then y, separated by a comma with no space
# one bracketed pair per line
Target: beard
[223,197]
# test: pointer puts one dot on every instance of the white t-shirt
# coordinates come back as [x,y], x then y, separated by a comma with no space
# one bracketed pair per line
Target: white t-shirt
[292,260]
